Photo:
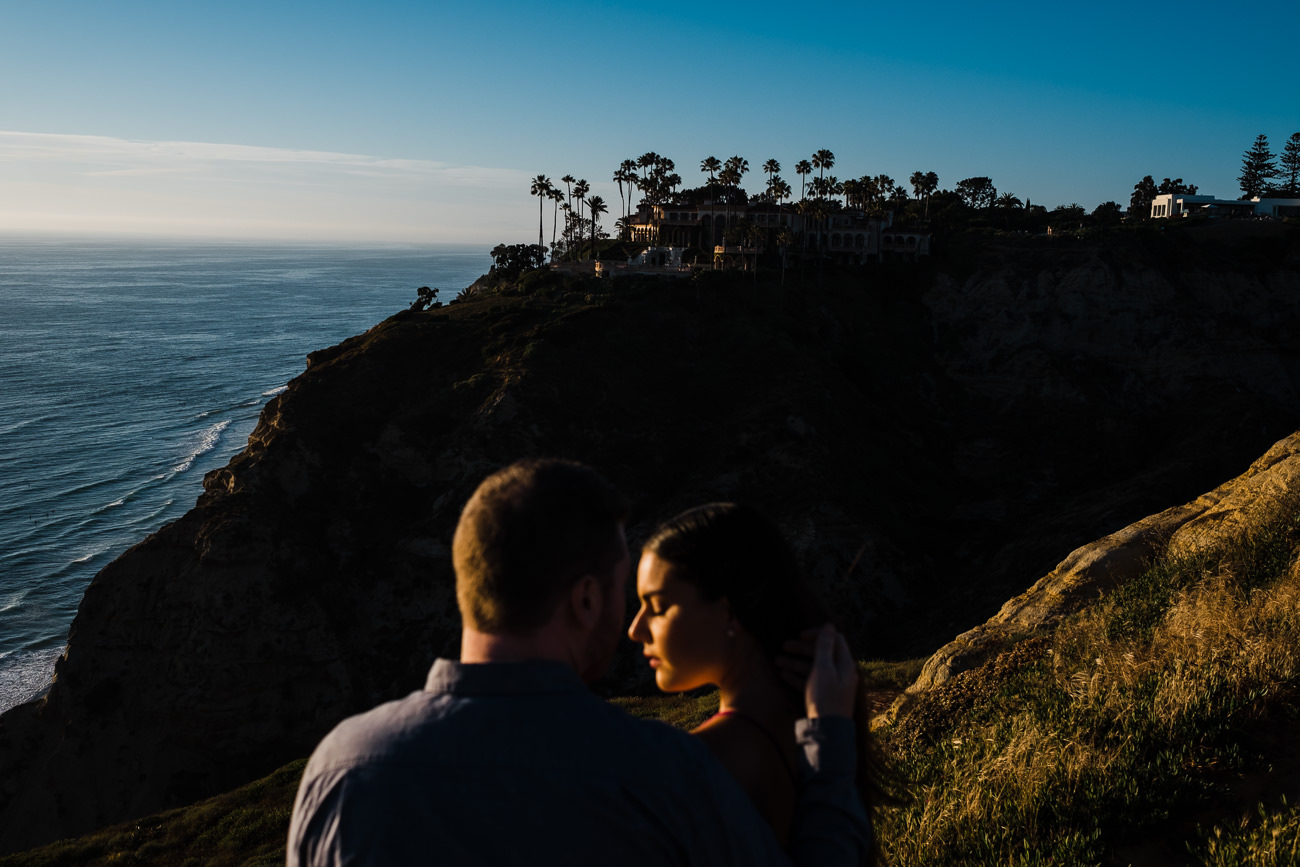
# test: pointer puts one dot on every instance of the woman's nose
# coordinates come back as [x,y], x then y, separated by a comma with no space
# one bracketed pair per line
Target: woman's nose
[634,631]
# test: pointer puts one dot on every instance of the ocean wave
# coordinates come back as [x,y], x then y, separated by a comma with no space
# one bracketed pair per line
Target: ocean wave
[86,558]
[207,442]
[273,392]
[12,601]
[25,675]
[19,425]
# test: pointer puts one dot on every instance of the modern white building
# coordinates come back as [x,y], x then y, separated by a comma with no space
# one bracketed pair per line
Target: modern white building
[1173,205]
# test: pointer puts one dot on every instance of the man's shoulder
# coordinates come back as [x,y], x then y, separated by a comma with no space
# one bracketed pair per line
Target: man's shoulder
[383,730]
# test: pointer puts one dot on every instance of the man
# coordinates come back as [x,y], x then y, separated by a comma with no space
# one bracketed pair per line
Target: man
[507,758]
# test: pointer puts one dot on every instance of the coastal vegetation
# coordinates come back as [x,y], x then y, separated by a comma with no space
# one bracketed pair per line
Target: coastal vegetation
[1153,727]
[972,202]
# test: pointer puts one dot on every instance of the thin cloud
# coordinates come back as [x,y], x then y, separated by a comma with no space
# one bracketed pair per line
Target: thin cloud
[52,179]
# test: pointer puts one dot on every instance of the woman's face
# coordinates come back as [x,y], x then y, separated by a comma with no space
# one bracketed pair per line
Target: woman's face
[685,637]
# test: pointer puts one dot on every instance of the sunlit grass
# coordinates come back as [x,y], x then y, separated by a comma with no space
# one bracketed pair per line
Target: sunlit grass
[685,711]
[883,674]
[1130,727]
[1272,840]
[1132,717]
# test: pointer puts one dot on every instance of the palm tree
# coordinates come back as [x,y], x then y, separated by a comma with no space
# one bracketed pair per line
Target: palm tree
[852,193]
[884,187]
[541,188]
[823,160]
[923,184]
[628,168]
[568,223]
[777,189]
[771,167]
[710,165]
[817,210]
[568,180]
[580,190]
[733,171]
[618,179]
[1008,203]
[730,177]
[803,169]
[834,187]
[740,164]
[646,162]
[556,196]
[595,207]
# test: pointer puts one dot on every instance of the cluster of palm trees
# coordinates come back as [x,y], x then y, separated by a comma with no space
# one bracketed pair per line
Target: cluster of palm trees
[656,178]
[575,225]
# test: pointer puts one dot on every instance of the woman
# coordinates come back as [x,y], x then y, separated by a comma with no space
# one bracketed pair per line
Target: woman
[720,595]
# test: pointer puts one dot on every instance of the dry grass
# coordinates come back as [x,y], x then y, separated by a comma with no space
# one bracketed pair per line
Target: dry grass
[1272,841]
[1125,736]
[1131,722]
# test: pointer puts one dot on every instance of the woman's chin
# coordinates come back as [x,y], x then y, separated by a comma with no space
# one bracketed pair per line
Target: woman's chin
[667,684]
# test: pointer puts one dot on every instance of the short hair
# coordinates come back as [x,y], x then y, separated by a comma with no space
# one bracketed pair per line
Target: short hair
[526,535]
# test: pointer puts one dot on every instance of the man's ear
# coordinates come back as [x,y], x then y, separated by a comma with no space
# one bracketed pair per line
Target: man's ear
[587,601]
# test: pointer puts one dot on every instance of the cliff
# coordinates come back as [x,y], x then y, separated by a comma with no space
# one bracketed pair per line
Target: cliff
[931,439]
[1234,510]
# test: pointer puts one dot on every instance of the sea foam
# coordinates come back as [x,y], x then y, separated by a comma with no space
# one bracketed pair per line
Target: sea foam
[27,675]
[207,442]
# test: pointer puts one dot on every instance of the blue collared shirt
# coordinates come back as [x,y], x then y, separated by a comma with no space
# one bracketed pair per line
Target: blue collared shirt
[519,763]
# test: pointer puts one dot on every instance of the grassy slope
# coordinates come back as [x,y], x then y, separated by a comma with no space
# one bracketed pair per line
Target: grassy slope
[249,825]
[1159,721]
[1155,727]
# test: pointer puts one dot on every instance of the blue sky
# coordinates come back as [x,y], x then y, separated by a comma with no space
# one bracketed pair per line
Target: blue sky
[390,121]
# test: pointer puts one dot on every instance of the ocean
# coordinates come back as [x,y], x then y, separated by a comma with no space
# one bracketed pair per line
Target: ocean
[128,369]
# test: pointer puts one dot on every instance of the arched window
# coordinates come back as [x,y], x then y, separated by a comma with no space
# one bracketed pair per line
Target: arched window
[861,241]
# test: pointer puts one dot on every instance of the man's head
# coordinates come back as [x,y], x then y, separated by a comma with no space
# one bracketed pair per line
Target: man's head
[528,538]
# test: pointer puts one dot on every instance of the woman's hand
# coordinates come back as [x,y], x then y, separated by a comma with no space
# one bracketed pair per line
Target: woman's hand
[830,682]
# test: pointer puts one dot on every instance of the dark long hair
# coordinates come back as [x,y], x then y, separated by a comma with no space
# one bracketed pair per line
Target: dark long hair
[732,550]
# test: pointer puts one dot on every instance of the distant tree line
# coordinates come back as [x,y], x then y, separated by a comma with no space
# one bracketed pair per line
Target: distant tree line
[920,202]
[1262,175]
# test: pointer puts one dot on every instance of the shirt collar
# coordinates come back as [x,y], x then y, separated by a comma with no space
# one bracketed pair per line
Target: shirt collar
[498,678]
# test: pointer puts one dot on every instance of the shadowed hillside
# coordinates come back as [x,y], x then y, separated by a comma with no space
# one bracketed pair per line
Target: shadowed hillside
[932,439]
[1148,721]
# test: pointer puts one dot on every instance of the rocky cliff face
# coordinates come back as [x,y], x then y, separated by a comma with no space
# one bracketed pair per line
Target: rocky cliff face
[1230,511]
[930,439]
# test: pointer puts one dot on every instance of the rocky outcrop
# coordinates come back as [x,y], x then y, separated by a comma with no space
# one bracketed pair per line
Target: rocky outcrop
[1214,519]
[1098,383]
[930,438]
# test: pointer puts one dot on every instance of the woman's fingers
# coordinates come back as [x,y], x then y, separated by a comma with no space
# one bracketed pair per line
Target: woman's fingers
[832,684]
